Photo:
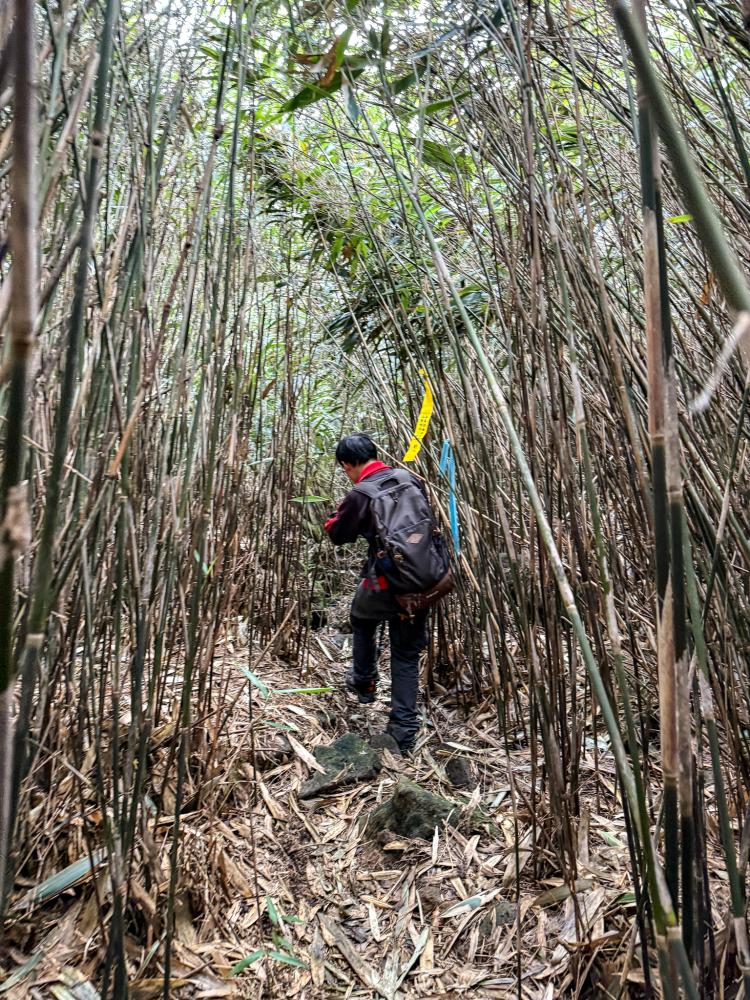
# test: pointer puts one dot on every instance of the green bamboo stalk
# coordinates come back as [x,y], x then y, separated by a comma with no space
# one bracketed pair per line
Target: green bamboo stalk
[14,527]
[705,216]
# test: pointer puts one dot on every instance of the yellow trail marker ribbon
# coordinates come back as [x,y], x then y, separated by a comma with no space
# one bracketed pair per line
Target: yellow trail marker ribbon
[423,421]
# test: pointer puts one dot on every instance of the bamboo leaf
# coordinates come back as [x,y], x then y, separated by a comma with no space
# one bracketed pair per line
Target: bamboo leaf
[272,912]
[340,48]
[561,892]
[21,972]
[248,960]
[352,107]
[283,727]
[472,903]
[282,942]
[254,680]
[438,155]
[311,93]
[446,103]
[385,38]
[280,956]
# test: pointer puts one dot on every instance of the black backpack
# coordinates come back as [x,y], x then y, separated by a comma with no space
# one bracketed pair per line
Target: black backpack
[409,550]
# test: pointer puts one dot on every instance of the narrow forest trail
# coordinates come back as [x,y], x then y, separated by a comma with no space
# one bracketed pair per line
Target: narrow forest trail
[350,916]
[384,917]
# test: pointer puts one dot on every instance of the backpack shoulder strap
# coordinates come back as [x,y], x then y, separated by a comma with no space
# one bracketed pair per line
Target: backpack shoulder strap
[368,488]
[372,487]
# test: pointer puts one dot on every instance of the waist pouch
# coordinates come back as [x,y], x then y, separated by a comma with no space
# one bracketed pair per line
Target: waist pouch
[412,603]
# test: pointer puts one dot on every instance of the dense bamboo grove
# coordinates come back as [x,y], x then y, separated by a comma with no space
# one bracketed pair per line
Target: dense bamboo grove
[235,232]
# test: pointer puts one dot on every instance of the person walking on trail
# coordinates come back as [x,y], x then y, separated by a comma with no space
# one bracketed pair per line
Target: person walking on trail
[407,570]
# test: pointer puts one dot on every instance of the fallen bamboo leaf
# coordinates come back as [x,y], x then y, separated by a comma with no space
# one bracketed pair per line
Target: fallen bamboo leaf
[73,985]
[397,845]
[578,921]
[60,881]
[316,954]
[372,916]
[274,807]
[21,972]
[304,755]
[234,875]
[516,864]
[427,958]
[561,892]
[418,949]
[472,903]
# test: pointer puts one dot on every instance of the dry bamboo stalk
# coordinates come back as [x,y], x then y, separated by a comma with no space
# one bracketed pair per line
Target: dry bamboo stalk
[14,528]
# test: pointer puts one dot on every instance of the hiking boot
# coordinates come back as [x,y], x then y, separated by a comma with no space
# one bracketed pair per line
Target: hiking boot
[384,741]
[405,742]
[364,690]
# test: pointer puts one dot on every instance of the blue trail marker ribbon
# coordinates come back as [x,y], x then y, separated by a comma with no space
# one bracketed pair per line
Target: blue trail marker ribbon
[448,469]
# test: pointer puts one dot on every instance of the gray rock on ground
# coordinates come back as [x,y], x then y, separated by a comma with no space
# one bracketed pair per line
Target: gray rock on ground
[501,914]
[459,773]
[346,761]
[412,812]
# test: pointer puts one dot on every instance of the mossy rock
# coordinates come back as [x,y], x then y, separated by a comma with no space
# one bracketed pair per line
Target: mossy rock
[346,761]
[412,812]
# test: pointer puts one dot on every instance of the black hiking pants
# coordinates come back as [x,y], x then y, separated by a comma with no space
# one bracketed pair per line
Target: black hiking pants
[408,637]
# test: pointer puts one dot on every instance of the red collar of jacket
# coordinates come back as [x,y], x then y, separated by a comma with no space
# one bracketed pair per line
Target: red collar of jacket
[371,468]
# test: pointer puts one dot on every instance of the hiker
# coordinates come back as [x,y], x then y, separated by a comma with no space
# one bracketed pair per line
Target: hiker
[407,570]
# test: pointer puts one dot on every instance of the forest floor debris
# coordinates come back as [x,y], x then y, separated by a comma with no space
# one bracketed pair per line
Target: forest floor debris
[284,894]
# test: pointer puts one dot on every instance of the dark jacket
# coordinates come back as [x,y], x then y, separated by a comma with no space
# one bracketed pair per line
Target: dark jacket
[353,518]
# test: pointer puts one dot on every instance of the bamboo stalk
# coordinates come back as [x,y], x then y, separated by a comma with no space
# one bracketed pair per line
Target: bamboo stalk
[656,302]
[14,526]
